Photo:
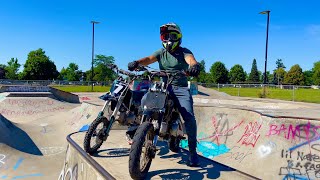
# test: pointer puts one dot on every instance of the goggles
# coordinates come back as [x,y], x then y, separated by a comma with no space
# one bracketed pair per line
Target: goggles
[173,36]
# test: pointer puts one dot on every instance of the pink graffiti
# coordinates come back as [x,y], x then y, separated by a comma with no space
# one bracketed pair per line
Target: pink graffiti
[30,112]
[291,132]
[85,98]
[251,134]
[30,103]
[218,132]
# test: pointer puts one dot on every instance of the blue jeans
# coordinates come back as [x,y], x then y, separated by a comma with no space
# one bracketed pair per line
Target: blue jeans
[184,102]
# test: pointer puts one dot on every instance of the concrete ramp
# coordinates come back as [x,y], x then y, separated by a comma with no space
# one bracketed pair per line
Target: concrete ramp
[234,144]
[34,146]
[264,146]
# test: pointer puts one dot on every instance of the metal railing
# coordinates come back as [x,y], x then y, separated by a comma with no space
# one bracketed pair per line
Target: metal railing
[53,82]
[284,92]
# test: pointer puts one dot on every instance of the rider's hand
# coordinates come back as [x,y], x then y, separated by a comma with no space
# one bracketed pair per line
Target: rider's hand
[133,65]
[194,70]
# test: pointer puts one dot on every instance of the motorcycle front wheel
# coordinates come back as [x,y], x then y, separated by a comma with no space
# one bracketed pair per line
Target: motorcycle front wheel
[95,135]
[142,151]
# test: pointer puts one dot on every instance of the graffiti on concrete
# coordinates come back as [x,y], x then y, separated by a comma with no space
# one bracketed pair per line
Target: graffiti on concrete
[85,98]
[71,173]
[207,149]
[301,164]
[251,134]
[291,173]
[220,129]
[291,132]
[2,159]
[16,166]
[237,154]
[27,107]
[28,89]
[266,149]
[29,112]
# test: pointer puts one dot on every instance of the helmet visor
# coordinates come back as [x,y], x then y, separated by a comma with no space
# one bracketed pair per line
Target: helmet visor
[173,36]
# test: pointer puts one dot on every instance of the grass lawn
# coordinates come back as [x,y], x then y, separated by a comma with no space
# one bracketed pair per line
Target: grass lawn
[303,95]
[83,88]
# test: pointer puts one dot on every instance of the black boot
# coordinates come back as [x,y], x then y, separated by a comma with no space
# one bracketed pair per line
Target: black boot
[193,159]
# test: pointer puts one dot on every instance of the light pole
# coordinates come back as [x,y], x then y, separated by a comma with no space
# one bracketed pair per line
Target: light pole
[266,55]
[93,22]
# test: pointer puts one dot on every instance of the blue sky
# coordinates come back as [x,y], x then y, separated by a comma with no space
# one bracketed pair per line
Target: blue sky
[230,31]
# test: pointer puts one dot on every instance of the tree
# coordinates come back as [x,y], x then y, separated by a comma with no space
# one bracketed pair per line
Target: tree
[219,73]
[100,71]
[308,77]
[237,74]
[39,67]
[71,73]
[269,77]
[203,76]
[316,73]
[280,64]
[254,74]
[12,69]
[294,76]
[278,75]
[2,71]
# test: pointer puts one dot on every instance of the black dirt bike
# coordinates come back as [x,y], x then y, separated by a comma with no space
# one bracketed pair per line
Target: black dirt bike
[122,105]
[160,119]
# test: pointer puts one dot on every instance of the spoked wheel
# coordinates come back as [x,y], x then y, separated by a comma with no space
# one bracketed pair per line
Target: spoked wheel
[142,151]
[96,135]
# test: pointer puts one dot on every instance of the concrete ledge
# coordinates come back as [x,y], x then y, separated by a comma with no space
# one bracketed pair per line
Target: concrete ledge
[65,96]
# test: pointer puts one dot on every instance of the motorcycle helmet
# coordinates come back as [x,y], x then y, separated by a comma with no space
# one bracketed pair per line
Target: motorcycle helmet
[171,36]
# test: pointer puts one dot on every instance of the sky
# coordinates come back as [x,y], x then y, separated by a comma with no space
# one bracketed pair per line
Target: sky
[230,31]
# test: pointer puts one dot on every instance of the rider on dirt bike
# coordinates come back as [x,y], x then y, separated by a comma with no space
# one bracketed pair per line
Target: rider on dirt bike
[173,57]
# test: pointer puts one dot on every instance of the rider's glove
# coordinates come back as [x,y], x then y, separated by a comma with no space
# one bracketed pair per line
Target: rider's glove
[133,65]
[194,70]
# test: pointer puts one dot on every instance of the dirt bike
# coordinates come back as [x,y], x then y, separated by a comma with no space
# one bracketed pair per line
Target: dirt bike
[160,120]
[121,105]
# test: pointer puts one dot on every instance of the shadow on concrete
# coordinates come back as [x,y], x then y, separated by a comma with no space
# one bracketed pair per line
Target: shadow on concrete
[112,153]
[16,138]
[202,93]
[208,169]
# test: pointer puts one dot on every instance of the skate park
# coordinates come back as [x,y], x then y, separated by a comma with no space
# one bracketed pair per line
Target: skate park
[42,131]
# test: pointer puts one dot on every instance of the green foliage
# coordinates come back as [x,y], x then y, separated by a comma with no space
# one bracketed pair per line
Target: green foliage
[269,77]
[280,64]
[83,88]
[308,77]
[301,94]
[219,73]
[278,75]
[316,73]
[294,76]
[203,76]
[71,73]
[2,71]
[254,74]
[100,70]
[39,67]
[237,74]
[12,69]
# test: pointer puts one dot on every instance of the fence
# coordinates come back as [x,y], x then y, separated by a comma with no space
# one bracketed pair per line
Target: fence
[284,92]
[53,83]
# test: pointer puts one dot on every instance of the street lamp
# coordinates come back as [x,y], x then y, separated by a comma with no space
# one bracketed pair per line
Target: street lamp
[93,22]
[266,56]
